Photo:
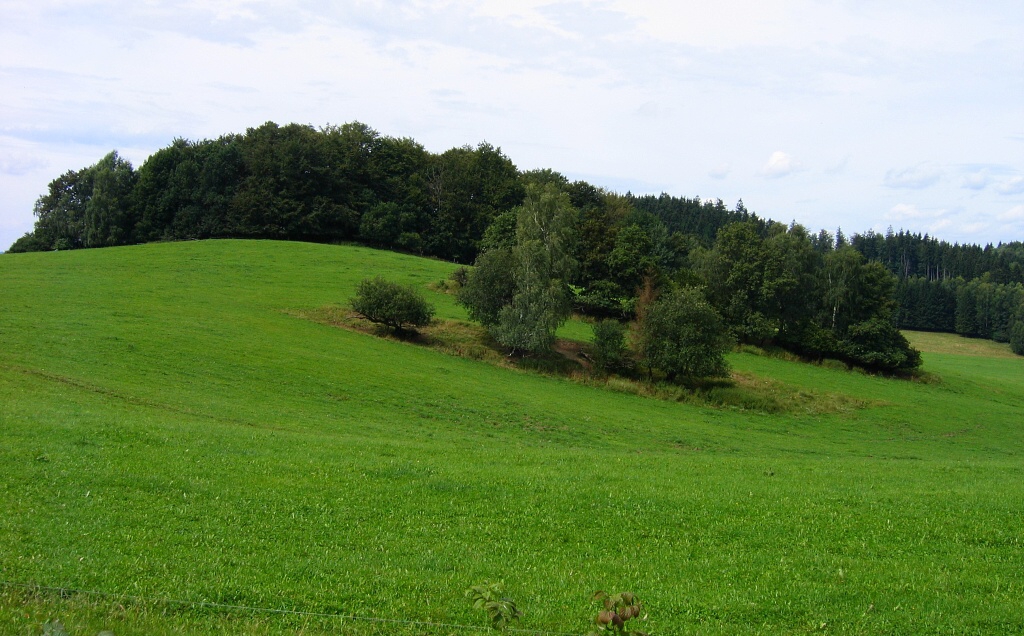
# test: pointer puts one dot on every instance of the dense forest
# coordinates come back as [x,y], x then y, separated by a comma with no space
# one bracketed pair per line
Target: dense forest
[964,289]
[819,294]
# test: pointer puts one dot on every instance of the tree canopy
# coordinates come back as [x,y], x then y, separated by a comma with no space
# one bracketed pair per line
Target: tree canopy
[521,292]
[544,245]
[682,335]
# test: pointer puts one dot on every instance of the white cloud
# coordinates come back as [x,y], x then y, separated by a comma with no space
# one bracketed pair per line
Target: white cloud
[972,229]
[780,164]
[840,167]
[914,178]
[976,181]
[653,110]
[909,211]
[964,224]
[735,23]
[629,92]
[1011,223]
[1011,186]
[16,164]
[1015,213]
[720,171]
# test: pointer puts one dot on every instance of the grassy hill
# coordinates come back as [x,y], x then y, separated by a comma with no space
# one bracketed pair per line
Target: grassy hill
[171,430]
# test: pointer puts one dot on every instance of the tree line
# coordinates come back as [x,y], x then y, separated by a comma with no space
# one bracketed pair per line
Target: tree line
[966,289]
[977,308]
[818,294]
[284,182]
[908,255]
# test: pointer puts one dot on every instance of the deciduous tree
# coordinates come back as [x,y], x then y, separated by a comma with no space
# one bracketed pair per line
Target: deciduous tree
[522,294]
[681,334]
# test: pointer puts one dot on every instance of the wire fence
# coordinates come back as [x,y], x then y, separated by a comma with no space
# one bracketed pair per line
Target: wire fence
[66,593]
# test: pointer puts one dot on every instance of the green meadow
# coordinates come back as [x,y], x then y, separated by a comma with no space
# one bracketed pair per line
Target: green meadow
[181,451]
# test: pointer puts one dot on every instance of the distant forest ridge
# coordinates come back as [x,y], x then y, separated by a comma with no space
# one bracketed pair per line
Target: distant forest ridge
[350,183]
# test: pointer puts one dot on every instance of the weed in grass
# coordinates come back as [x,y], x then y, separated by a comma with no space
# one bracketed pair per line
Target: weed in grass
[618,610]
[500,610]
[453,283]
[54,628]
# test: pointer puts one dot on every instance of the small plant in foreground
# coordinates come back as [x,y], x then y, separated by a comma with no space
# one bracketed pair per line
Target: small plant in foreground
[500,610]
[618,610]
[56,628]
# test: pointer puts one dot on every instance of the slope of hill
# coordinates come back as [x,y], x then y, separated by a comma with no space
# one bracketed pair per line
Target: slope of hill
[172,431]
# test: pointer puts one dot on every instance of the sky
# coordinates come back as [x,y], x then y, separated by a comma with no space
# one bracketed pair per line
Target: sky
[857,114]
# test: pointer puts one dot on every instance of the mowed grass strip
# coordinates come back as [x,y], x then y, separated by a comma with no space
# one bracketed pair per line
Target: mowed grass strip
[172,430]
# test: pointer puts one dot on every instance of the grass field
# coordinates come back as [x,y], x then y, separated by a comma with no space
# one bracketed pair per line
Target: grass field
[944,343]
[172,430]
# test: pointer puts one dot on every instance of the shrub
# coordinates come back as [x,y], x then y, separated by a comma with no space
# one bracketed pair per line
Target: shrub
[489,286]
[878,344]
[28,243]
[500,610]
[609,344]
[1017,332]
[459,277]
[618,610]
[683,336]
[388,303]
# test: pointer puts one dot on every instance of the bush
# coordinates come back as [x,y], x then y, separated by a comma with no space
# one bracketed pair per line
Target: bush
[459,277]
[387,303]
[28,243]
[1017,335]
[683,336]
[878,344]
[609,344]
[489,286]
